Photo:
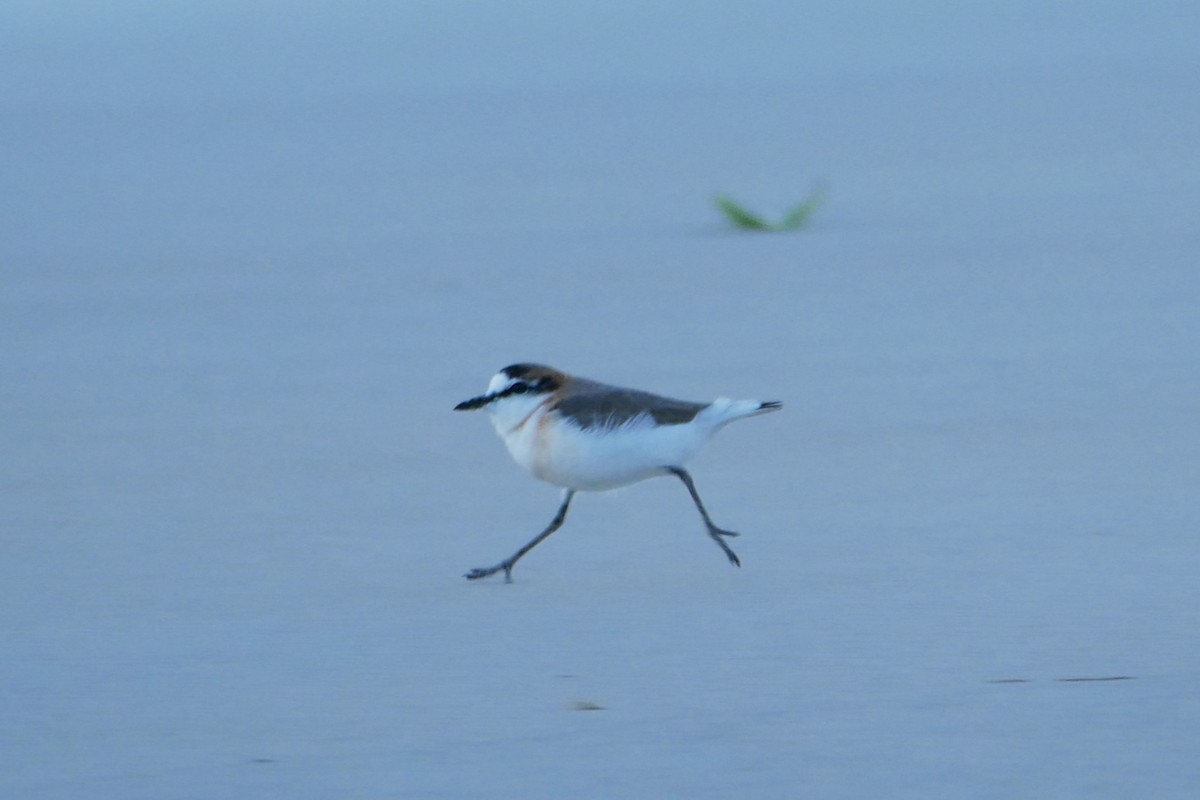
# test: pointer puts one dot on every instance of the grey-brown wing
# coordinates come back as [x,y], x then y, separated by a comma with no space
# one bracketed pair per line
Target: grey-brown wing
[592,405]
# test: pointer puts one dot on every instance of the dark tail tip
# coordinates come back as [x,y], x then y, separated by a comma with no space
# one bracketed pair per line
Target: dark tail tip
[770,405]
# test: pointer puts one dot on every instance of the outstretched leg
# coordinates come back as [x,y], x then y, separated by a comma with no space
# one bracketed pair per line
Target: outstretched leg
[508,564]
[713,531]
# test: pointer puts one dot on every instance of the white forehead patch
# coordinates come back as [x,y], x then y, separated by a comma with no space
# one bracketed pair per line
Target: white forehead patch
[499,382]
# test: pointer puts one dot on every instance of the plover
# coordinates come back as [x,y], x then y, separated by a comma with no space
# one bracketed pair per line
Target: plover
[587,436]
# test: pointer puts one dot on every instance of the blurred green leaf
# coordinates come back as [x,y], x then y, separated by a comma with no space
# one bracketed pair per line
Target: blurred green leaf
[796,218]
[740,216]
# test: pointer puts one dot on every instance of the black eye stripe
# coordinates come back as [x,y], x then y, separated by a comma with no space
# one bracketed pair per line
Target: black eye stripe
[520,387]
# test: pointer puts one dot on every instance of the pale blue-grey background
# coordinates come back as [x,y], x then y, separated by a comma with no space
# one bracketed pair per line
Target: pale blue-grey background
[252,255]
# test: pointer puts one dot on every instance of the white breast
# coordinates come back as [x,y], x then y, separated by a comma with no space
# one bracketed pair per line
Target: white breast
[517,420]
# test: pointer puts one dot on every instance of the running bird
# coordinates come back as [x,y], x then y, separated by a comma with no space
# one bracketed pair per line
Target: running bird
[588,436]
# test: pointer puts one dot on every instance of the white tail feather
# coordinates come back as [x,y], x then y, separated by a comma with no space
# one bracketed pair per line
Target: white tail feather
[723,410]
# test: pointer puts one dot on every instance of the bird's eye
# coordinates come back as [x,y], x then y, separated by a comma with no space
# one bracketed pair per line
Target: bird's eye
[520,387]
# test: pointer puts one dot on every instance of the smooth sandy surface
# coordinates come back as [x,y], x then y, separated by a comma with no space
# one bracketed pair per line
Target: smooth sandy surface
[252,259]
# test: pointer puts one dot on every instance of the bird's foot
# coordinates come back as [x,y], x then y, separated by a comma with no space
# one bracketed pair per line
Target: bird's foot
[483,572]
[716,534]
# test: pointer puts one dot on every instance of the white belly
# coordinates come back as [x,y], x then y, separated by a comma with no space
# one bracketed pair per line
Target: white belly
[594,460]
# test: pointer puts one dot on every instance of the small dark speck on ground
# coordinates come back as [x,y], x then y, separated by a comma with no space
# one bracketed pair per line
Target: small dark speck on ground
[586,705]
[1068,680]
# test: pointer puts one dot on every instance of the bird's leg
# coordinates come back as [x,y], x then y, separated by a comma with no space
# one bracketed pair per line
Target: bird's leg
[508,564]
[713,531]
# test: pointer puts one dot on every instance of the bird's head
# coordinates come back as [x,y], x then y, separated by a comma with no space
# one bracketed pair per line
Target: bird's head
[516,390]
